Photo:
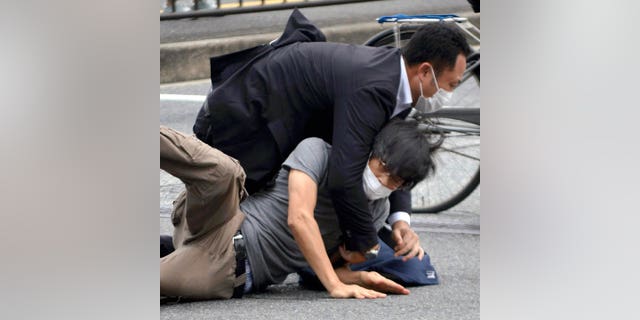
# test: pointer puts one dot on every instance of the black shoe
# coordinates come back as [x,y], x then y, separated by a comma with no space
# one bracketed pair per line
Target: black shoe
[166,245]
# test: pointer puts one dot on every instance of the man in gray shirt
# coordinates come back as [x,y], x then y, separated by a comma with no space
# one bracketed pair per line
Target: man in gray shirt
[227,244]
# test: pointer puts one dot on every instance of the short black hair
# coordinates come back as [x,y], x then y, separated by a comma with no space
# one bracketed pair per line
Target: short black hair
[437,43]
[406,150]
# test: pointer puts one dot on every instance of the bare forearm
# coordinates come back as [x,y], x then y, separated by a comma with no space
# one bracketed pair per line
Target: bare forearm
[348,276]
[302,201]
[307,235]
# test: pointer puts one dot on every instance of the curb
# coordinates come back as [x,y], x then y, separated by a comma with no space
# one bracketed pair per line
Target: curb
[452,221]
[185,61]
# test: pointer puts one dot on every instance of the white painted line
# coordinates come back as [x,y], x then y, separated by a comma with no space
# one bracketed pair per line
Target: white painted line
[182,97]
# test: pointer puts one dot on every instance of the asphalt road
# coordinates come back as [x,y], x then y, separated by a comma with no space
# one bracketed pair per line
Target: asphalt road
[452,239]
[454,255]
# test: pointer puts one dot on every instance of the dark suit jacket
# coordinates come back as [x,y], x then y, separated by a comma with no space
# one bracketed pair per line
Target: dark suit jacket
[267,99]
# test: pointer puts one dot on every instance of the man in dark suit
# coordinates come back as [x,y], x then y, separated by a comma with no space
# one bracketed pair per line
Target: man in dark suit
[266,99]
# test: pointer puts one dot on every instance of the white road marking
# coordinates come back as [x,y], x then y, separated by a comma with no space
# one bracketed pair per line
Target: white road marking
[182,97]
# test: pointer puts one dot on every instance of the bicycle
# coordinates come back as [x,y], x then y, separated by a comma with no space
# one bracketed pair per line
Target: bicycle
[458,160]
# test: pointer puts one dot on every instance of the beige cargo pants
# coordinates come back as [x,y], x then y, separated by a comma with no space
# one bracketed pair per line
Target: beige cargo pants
[205,216]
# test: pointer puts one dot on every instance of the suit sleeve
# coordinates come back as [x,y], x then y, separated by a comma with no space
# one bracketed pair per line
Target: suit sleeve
[400,200]
[357,120]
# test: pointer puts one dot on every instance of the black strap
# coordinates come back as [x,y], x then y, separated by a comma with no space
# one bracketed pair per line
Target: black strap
[241,256]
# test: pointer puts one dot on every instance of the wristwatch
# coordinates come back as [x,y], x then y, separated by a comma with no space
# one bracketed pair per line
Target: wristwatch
[372,253]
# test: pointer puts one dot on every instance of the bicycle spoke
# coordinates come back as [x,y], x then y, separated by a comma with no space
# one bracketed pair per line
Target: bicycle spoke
[460,153]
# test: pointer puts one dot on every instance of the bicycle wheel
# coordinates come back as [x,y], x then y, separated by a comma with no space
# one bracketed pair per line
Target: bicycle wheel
[457,162]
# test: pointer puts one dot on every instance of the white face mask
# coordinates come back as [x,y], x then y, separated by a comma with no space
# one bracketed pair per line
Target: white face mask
[372,186]
[435,102]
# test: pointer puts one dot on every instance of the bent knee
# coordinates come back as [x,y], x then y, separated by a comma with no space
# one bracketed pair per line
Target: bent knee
[223,166]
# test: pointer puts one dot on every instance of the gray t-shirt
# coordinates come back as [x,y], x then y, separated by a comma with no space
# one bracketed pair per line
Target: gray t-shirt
[271,248]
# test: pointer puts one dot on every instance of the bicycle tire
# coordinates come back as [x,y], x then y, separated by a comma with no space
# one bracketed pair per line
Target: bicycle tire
[457,172]
[463,187]
[454,200]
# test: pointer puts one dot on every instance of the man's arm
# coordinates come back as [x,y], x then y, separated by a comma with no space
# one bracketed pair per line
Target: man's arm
[407,241]
[357,120]
[400,200]
[302,201]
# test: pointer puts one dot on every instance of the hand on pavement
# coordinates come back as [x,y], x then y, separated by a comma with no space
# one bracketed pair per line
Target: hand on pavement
[375,281]
[354,291]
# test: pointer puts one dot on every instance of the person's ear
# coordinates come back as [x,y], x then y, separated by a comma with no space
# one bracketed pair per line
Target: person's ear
[351,256]
[424,72]
[424,69]
[346,254]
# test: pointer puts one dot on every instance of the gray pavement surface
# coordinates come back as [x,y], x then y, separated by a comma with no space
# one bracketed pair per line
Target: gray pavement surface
[451,238]
[456,297]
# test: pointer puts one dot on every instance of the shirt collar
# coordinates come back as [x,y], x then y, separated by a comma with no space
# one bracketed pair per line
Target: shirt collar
[403,99]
